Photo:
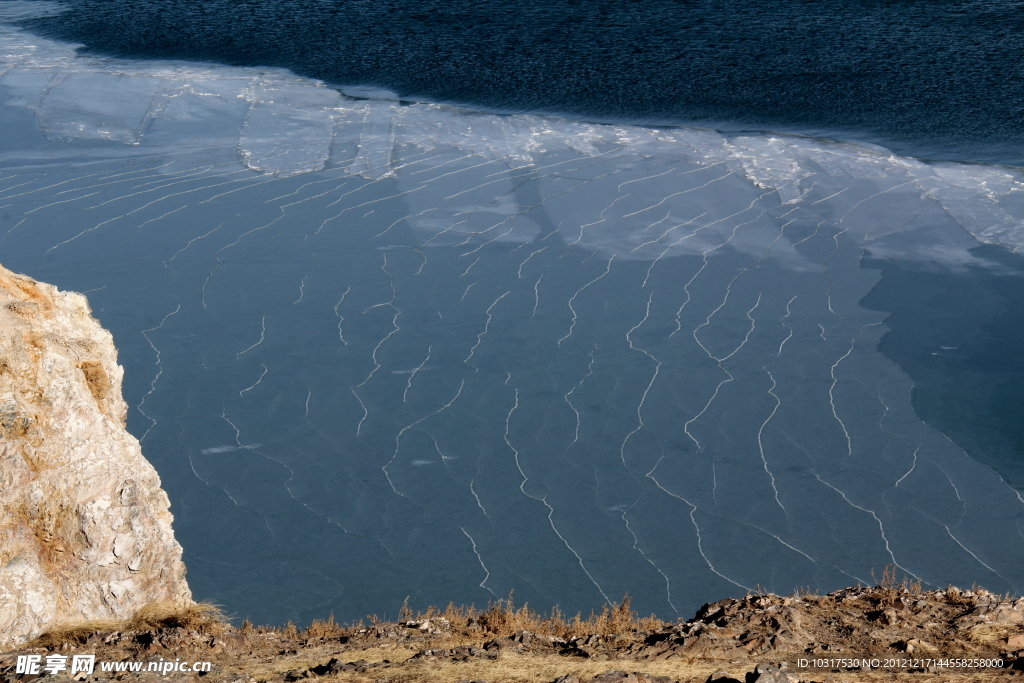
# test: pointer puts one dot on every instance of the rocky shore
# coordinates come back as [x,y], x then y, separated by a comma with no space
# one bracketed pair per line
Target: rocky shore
[881,633]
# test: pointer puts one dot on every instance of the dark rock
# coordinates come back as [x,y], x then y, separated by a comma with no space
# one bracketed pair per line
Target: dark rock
[722,677]
[614,677]
[649,678]
[331,666]
[624,677]
[501,644]
[523,637]
[768,673]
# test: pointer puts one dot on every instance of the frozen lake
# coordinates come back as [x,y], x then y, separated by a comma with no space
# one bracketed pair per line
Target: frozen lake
[380,349]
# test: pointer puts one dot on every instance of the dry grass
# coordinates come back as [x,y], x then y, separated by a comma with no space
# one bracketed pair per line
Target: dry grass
[500,619]
[992,634]
[75,633]
[958,598]
[323,629]
[269,668]
[517,668]
[202,617]
[894,586]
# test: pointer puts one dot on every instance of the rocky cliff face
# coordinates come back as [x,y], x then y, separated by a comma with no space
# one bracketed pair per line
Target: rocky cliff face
[85,529]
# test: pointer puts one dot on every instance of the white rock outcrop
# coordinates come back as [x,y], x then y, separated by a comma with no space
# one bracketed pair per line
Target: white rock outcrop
[85,529]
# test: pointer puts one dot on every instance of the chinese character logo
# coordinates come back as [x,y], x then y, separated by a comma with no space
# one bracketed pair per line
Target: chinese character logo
[28,664]
[82,664]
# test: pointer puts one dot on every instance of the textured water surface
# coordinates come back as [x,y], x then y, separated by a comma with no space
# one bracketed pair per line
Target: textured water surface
[933,79]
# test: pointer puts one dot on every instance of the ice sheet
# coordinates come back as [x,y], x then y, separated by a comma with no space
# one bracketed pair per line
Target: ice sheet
[381,349]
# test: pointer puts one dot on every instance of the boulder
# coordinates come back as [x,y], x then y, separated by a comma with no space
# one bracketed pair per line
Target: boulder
[86,527]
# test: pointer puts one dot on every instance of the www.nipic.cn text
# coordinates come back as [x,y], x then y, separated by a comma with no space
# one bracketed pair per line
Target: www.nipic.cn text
[87,664]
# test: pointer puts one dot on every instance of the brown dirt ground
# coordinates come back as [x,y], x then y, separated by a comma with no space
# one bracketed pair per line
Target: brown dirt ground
[504,644]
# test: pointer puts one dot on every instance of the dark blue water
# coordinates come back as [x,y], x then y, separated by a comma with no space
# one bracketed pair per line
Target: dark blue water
[930,78]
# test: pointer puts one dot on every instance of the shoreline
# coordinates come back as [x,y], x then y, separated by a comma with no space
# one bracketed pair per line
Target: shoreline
[893,631]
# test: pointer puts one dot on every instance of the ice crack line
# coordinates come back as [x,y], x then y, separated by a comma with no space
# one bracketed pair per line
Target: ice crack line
[341,318]
[408,384]
[398,438]
[487,574]
[62,201]
[963,503]
[532,254]
[466,272]
[551,510]
[760,444]
[263,334]
[404,218]
[783,343]
[302,290]
[579,559]
[487,324]
[266,524]
[885,413]
[576,434]
[831,389]
[696,528]
[513,216]
[636,546]
[144,206]
[195,239]
[600,219]
[366,413]
[704,256]
[391,284]
[668,214]
[969,552]
[529,173]
[607,269]
[686,426]
[536,295]
[230,246]
[262,375]
[912,466]
[707,321]
[176,181]
[373,356]
[643,399]
[286,484]
[676,194]
[753,324]
[881,527]
[159,371]
[515,453]
[668,247]
[63,182]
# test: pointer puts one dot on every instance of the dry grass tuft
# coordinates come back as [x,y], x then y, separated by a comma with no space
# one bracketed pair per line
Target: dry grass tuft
[992,634]
[503,618]
[323,629]
[958,598]
[201,616]
[892,586]
[73,634]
